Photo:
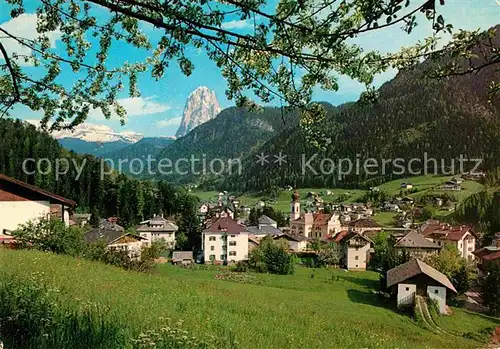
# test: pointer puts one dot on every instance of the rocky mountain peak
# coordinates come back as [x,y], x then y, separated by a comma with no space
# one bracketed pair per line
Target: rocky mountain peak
[201,106]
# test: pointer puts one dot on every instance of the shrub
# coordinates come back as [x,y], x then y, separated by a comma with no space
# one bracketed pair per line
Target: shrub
[329,256]
[271,256]
[53,236]
[241,267]
[50,235]
[450,263]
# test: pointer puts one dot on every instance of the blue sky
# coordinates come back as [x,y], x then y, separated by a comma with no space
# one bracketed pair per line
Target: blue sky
[158,111]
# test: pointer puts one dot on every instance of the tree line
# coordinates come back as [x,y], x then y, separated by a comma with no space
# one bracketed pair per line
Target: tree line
[131,200]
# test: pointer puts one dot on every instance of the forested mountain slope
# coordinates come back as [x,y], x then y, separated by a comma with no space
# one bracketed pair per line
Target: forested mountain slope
[414,115]
[234,133]
[86,180]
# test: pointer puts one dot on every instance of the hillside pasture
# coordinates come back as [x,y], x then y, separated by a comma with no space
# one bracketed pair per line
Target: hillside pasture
[315,308]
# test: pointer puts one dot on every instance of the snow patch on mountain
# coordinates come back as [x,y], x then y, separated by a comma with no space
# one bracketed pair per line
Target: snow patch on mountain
[94,133]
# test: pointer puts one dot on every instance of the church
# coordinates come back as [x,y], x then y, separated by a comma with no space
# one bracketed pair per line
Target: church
[312,225]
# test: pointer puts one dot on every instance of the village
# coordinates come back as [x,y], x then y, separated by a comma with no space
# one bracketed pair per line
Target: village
[228,240]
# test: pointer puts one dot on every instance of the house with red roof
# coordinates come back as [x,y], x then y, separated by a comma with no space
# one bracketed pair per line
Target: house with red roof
[21,202]
[488,254]
[462,237]
[225,241]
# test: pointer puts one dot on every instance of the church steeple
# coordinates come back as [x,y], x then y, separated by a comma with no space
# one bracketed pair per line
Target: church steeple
[295,206]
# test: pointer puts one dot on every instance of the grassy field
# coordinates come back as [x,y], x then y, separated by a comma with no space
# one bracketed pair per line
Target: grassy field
[429,184]
[319,308]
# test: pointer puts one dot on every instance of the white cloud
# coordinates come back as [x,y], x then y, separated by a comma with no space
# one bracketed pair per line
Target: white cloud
[237,24]
[135,106]
[170,122]
[24,26]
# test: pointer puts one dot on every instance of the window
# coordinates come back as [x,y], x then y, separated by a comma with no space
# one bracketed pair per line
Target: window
[233,236]
[222,257]
[212,248]
[211,238]
[232,243]
[232,253]
[436,291]
[356,258]
[470,249]
[407,289]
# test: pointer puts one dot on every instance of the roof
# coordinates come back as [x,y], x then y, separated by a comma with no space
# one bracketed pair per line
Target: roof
[317,218]
[340,235]
[364,223]
[488,253]
[321,218]
[168,226]
[54,198]
[352,234]
[491,256]
[413,268]
[98,234]
[415,240]
[264,230]
[294,237]
[225,225]
[182,255]
[266,220]
[105,224]
[127,234]
[253,238]
[444,231]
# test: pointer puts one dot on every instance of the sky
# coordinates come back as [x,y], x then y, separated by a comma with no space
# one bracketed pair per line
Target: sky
[159,109]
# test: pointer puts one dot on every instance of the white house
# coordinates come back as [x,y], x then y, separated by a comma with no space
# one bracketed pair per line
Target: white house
[356,250]
[296,243]
[406,186]
[203,209]
[461,237]
[158,228]
[415,278]
[21,202]
[225,241]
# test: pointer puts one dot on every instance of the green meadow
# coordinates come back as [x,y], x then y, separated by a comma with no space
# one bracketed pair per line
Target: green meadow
[314,308]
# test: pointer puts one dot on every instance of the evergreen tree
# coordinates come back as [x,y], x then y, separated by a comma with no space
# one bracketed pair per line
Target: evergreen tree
[490,288]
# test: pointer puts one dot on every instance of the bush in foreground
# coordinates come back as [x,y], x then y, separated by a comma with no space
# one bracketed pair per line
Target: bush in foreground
[51,235]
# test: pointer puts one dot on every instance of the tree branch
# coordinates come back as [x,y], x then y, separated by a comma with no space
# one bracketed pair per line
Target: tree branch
[17,93]
[12,73]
